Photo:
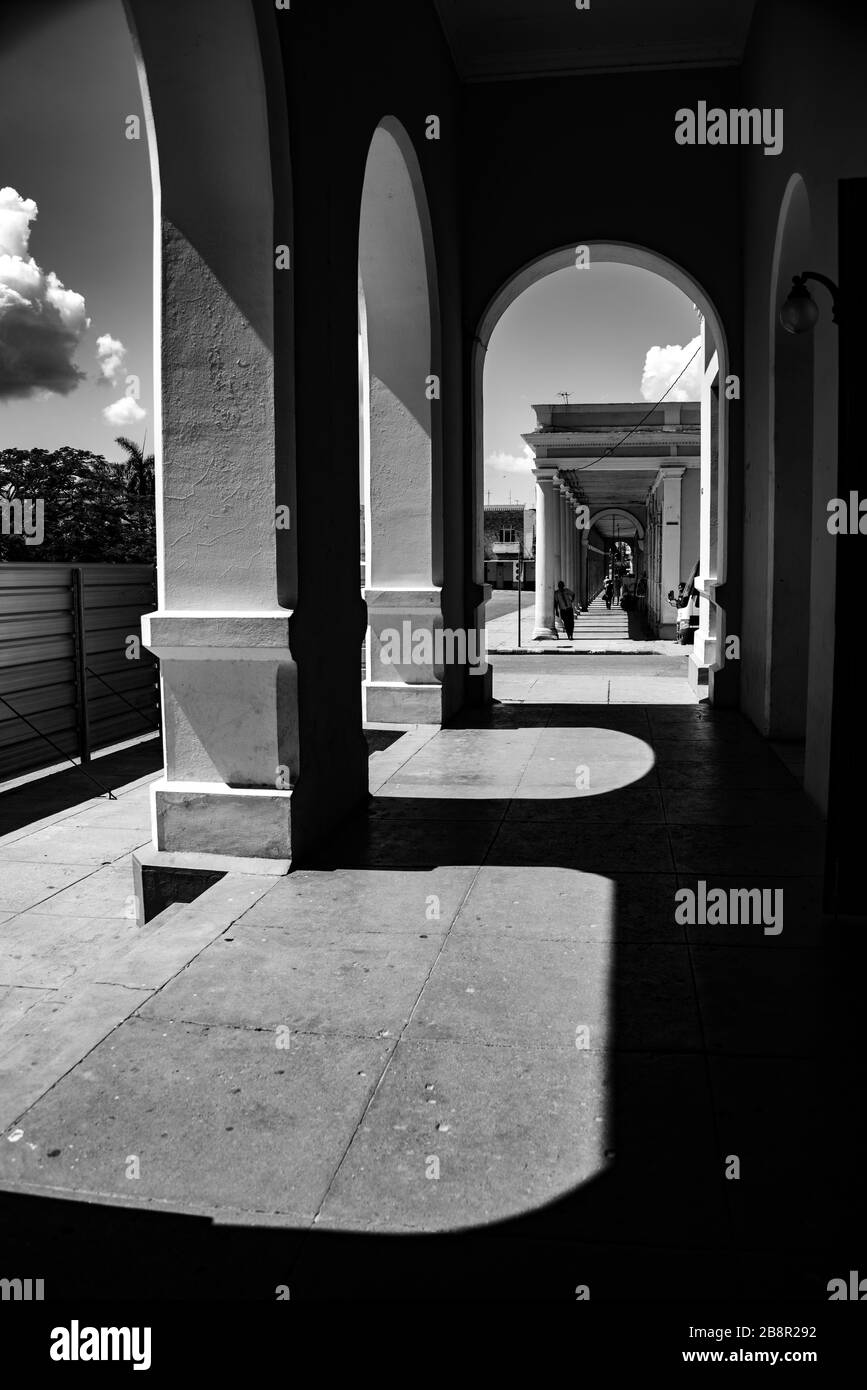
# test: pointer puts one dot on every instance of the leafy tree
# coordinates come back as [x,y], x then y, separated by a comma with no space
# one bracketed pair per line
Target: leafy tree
[138,469]
[94,511]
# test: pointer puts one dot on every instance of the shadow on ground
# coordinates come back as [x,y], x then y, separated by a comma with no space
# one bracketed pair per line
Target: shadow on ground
[715,1043]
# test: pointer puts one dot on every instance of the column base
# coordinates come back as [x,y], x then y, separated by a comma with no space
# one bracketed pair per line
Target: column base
[398,702]
[212,819]
[544,634]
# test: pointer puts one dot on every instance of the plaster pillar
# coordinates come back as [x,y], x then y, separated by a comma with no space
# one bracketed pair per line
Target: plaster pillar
[547,524]
[668,482]
[226,560]
[581,591]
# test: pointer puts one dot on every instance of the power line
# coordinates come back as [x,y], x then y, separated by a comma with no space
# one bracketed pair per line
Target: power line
[637,426]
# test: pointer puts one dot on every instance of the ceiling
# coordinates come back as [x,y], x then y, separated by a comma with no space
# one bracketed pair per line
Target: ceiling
[607,489]
[529,38]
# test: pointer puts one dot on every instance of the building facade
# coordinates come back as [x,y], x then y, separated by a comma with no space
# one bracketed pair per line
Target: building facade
[510,538]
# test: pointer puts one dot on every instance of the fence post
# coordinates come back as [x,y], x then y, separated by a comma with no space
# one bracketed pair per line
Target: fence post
[79,637]
[159,687]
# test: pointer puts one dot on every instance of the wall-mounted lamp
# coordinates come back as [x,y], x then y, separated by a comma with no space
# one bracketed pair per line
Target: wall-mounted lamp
[800,312]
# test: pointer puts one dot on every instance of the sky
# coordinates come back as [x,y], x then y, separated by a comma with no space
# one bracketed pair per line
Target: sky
[76,271]
[75,234]
[602,333]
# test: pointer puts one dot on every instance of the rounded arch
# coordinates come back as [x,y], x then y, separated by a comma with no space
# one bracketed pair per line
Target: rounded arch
[616,252]
[790,479]
[613,512]
[708,652]
[399,425]
[399,347]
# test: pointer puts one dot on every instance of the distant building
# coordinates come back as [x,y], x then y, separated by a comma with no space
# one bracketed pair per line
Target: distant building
[510,536]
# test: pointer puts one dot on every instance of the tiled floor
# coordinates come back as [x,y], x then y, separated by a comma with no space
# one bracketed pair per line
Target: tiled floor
[475,1011]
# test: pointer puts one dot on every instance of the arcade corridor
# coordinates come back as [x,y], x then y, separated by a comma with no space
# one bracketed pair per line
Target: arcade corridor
[431,973]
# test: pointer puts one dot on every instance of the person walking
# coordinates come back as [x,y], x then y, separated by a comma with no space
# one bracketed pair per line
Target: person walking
[564,608]
[608,593]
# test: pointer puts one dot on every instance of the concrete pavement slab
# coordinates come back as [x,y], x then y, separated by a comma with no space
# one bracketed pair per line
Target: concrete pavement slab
[96,892]
[567,905]
[79,844]
[364,900]
[216,1116]
[24,885]
[52,1037]
[45,951]
[664,1182]
[509,1129]
[500,989]
[358,984]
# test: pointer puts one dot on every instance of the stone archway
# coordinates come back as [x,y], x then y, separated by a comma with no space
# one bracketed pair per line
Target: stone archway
[707,655]
[399,347]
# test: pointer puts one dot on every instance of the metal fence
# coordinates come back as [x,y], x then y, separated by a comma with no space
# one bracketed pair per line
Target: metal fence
[68,686]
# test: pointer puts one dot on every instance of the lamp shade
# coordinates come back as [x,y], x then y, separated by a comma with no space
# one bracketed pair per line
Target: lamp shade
[800,311]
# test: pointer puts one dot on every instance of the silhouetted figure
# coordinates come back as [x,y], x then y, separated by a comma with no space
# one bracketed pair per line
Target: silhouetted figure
[564,607]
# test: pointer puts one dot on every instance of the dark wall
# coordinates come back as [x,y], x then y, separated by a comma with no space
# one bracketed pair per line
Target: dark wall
[807,57]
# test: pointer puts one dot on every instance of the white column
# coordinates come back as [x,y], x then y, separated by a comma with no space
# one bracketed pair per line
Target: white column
[225,491]
[547,524]
[669,481]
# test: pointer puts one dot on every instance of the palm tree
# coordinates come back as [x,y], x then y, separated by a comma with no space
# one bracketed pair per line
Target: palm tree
[137,468]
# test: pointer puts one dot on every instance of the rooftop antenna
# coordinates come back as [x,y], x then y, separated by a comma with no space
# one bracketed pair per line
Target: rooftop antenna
[565,395]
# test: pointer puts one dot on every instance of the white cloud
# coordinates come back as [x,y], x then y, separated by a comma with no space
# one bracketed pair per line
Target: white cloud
[661,367]
[511,463]
[41,321]
[110,353]
[126,411]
